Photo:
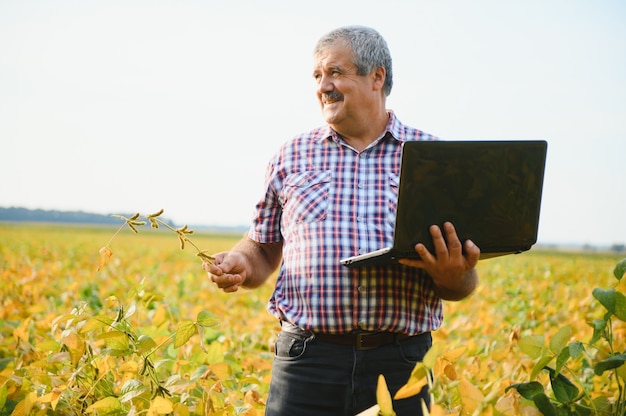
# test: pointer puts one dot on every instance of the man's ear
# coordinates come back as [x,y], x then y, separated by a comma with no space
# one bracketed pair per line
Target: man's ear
[378,75]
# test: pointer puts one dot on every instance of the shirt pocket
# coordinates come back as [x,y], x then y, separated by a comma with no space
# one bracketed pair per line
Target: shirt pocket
[391,191]
[305,196]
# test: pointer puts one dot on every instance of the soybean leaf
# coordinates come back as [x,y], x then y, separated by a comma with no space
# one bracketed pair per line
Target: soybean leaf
[560,339]
[599,326]
[544,405]
[620,269]
[540,365]
[186,330]
[562,358]
[576,348]
[606,297]
[131,389]
[527,390]
[532,345]
[383,397]
[620,306]
[145,343]
[207,319]
[609,364]
[105,406]
[564,390]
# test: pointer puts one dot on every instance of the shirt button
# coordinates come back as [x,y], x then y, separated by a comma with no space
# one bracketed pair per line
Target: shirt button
[361,289]
[362,324]
[362,251]
[360,186]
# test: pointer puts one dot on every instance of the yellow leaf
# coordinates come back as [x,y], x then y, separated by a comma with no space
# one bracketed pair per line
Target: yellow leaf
[161,406]
[129,367]
[104,406]
[436,410]
[415,384]
[115,340]
[181,409]
[431,355]
[454,355]
[21,332]
[186,330]
[471,396]
[215,352]
[160,315]
[52,397]
[76,346]
[24,407]
[221,370]
[105,256]
[111,302]
[383,397]
[450,372]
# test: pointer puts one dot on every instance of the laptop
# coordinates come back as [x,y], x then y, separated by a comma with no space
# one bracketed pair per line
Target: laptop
[490,190]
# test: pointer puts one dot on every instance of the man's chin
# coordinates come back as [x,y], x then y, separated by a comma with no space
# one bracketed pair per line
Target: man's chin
[331,115]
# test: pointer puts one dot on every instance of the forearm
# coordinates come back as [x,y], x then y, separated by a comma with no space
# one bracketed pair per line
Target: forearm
[460,288]
[261,260]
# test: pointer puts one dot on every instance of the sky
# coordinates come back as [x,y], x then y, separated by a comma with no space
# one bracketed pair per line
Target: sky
[132,106]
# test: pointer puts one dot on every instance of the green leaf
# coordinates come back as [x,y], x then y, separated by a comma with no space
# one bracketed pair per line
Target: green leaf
[576,348]
[559,341]
[207,319]
[599,326]
[544,405]
[609,364]
[564,390]
[620,269]
[606,297]
[532,345]
[540,365]
[527,390]
[186,330]
[561,359]
[620,306]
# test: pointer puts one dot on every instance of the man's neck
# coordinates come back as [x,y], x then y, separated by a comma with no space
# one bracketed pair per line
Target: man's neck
[368,132]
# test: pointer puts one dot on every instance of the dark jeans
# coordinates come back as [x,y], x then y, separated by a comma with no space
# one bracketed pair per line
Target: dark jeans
[310,377]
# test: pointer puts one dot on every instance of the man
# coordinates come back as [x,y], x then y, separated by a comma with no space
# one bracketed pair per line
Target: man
[329,194]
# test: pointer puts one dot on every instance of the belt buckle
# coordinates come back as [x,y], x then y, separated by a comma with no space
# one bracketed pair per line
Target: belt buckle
[360,337]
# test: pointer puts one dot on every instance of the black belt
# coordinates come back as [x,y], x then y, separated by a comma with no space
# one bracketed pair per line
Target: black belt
[362,340]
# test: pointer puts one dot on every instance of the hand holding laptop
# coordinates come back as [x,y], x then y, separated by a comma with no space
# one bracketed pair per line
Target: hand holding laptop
[451,266]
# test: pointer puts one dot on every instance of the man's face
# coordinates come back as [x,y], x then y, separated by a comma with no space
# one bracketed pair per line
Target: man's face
[345,97]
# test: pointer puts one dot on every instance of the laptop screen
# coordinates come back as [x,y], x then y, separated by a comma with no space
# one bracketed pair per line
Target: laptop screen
[490,190]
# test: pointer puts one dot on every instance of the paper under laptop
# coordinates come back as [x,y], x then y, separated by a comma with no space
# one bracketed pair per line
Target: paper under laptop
[490,190]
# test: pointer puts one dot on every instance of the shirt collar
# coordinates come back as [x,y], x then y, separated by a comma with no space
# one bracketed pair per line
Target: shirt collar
[393,130]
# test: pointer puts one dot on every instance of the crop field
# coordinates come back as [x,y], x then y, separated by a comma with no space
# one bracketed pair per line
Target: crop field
[148,334]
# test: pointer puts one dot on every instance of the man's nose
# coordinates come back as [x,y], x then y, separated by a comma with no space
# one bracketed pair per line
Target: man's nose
[325,84]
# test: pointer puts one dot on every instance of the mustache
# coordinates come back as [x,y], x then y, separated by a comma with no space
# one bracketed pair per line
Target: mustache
[332,96]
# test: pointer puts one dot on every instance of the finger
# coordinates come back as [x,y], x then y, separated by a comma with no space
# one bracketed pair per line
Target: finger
[226,282]
[455,248]
[425,257]
[439,243]
[472,253]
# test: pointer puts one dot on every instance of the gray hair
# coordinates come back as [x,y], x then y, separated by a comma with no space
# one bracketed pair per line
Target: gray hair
[369,48]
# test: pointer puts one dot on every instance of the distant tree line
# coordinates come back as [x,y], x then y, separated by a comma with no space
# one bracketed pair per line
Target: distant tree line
[40,215]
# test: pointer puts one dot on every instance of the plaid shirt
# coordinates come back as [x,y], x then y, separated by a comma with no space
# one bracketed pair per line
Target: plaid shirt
[327,201]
